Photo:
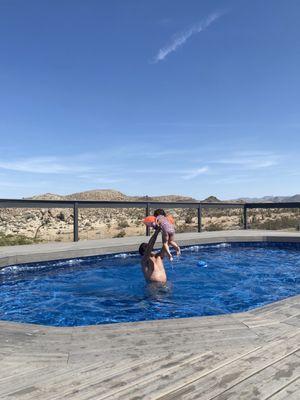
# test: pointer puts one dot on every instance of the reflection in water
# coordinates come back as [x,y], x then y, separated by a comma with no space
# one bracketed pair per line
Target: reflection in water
[158,291]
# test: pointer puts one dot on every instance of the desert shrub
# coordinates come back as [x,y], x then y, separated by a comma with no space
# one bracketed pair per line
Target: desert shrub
[190,214]
[123,224]
[120,234]
[283,222]
[29,216]
[182,228]
[61,216]
[12,240]
[213,226]
[188,219]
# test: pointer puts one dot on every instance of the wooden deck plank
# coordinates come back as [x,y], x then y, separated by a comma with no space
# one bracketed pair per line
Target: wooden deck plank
[177,377]
[64,386]
[288,392]
[269,380]
[214,384]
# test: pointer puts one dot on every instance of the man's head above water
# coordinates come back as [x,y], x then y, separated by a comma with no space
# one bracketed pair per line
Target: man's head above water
[143,248]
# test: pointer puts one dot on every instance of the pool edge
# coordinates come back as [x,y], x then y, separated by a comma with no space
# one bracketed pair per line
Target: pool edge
[60,251]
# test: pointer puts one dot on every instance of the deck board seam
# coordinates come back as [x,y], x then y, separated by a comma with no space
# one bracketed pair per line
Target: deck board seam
[128,369]
[282,388]
[209,372]
[255,373]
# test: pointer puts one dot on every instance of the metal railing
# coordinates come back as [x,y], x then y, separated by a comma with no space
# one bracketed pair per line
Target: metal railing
[147,205]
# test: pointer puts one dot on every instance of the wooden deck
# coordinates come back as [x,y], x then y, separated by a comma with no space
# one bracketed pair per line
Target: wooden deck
[253,355]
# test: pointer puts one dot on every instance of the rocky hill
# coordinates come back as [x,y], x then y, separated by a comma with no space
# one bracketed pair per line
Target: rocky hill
[212,199]
[100,195]
[46,196]
[272,199]
[114,195]
[110,195]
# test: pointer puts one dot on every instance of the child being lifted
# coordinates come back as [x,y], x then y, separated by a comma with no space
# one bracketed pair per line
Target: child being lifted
[167,230]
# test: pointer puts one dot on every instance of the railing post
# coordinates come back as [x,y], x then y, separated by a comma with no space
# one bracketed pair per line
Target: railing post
[199,218]
[147,214]
[75,222]
[245,217]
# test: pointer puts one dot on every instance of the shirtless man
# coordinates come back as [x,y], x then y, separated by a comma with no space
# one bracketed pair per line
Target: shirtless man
[152,263]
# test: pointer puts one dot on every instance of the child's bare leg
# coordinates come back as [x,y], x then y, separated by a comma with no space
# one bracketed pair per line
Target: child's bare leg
[165,239]
[174,244]
[167,250]
[176,247]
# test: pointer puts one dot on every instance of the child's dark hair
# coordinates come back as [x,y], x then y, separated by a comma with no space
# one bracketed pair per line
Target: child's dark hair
[158,212]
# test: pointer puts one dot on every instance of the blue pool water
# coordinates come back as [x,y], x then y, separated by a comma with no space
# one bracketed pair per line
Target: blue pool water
[106,289]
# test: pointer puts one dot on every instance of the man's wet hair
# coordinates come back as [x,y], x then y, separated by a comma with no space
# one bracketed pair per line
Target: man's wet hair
[143,248]
[158,212]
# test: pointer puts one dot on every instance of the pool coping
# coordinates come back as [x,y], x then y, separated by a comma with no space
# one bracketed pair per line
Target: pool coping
[11,255]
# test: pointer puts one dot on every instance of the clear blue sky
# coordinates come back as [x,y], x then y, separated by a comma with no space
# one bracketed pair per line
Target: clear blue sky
[150,97]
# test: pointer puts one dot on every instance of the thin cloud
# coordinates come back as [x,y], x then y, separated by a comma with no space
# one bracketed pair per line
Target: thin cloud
[252,160]
[235,179]
[43,165]
[195,173]
[181,38]
[168,153]
[183,173]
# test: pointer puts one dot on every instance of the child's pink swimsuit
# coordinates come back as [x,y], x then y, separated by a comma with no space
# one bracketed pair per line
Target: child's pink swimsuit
[166,225]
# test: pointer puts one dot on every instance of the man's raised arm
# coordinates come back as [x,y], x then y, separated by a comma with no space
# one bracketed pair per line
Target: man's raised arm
[151,244]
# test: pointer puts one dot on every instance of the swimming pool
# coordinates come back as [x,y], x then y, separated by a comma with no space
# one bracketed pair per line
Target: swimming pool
[106,289]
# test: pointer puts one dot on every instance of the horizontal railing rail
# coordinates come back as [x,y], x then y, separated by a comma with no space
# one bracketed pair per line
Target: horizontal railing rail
[147,205]
[22,203]
[273,205]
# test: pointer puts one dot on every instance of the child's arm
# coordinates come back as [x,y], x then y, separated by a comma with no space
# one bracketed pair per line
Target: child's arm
[156,224]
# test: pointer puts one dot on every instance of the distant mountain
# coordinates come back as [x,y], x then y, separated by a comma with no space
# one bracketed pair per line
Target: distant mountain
[171,197]
[296,197]
[46,196]
[114,195]
[212,199]
[271,199]
[100,195]
[111,195]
